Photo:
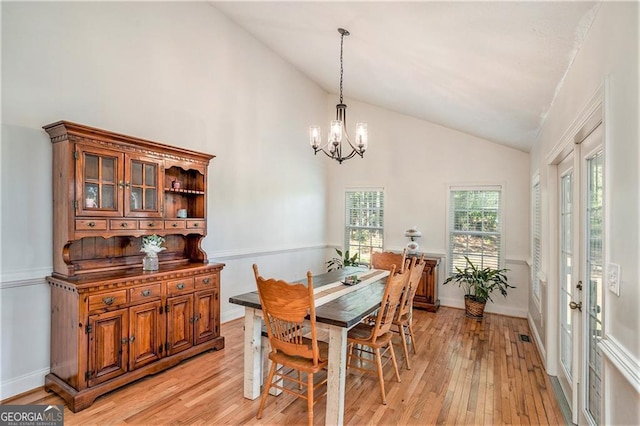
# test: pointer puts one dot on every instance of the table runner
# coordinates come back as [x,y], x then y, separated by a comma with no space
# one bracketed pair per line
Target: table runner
[332,291]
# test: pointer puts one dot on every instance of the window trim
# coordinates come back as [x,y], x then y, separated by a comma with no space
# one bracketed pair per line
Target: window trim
[473,187]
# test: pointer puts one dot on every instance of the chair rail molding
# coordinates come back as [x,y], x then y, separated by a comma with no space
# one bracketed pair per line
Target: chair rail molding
[622,359]
[40,280]
[217,256]
[24,277]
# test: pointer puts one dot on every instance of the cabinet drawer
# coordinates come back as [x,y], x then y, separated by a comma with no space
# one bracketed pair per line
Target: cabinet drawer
[206,281]
[107,300]
[123,224]
[174,224]
[91,224]
[151,224]
[145,293]
[195,224]
[179,286]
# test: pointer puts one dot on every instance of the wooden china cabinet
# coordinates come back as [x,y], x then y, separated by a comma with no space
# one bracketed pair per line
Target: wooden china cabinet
[111,321]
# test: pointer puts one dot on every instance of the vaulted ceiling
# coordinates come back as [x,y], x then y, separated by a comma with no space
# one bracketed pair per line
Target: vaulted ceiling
[490,69]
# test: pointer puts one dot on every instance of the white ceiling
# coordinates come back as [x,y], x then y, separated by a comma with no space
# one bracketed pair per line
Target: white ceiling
[490,69]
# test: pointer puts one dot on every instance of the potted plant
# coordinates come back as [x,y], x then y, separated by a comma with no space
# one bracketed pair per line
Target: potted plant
[343,260]
[478,284]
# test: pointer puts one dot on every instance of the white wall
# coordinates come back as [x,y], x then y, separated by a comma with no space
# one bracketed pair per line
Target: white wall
[177,73]
[415,162]
[609,52]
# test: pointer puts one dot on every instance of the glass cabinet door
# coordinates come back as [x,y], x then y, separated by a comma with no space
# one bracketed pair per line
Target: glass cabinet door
[143,187]
[98,184]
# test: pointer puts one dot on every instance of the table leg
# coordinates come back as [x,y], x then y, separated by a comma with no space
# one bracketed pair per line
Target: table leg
[336,376]
[252,353]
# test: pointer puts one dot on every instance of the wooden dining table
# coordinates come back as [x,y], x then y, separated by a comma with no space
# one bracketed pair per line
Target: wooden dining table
[339,307]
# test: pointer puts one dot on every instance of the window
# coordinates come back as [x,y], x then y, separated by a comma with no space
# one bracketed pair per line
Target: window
[536,241]
[475,227]
[364,223]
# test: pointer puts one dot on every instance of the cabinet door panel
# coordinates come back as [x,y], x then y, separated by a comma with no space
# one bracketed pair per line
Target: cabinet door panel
[145,337]
[108,346]
[206,314]
[427,292]
[98,181]
[179,323]
[143,186]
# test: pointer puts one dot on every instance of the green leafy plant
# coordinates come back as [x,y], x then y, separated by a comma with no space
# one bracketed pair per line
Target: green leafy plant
[343,260]
[478,284]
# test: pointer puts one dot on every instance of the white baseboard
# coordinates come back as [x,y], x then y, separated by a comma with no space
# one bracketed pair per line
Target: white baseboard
[536,337]
[21,384]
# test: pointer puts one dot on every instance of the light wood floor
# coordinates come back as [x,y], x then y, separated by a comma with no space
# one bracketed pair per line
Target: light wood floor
[465,372]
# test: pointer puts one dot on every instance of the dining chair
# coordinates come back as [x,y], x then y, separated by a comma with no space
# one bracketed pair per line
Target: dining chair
[285,307]
[404,319]
[374,340]
[386,259]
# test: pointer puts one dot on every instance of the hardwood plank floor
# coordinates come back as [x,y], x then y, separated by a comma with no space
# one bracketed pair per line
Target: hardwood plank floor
[465,372]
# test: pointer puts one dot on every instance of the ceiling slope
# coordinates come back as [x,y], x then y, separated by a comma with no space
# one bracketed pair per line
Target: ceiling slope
[490,69]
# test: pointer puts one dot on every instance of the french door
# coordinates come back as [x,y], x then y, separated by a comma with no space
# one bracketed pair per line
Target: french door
[580,266]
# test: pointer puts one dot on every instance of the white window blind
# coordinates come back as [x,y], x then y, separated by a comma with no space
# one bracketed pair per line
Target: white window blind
[475,227]
[536,241]
[364,221]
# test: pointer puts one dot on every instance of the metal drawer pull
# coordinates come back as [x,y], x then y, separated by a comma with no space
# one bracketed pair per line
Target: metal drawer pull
[195,225]
[132,339]
[180,286]
[108,300]
[152,224]
[146,292]
[91,224]
[124,341]
[124,224]
[174,224]
[206,281]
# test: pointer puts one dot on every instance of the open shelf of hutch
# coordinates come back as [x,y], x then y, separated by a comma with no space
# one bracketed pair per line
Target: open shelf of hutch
[111,322]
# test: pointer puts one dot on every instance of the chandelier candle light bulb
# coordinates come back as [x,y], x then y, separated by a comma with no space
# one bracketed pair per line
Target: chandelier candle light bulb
[361,136]
[314,136]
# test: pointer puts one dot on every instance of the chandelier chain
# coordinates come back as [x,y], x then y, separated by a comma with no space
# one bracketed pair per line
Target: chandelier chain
[341,65]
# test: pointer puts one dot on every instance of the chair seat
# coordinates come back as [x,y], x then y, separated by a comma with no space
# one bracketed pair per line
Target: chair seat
[361,334]
[303,364]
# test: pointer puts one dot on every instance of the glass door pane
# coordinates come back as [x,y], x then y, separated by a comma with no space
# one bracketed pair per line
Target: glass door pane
[143,187]
[593,276]
[566,272]
[98,173]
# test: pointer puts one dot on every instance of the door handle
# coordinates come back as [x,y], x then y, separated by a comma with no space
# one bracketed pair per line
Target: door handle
[574,305]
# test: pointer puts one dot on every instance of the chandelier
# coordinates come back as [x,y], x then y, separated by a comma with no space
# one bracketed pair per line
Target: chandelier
[337,131]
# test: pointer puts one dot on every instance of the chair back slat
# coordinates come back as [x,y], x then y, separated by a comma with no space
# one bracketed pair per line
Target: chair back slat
[415,273]
[390,301]
[386,259]
[285,307]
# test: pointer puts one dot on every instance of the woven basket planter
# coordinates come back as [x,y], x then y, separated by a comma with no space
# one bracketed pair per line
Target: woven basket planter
[473,309]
